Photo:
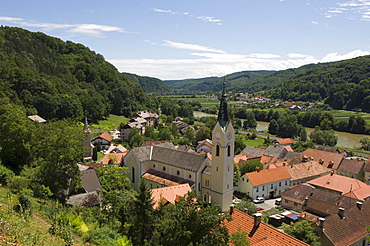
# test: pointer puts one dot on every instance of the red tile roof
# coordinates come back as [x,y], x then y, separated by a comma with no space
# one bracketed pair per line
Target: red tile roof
[114,158]
[268,176]
[169,194]
[105,136]
[262,235]
[284,141]
[347,186]
[326,157]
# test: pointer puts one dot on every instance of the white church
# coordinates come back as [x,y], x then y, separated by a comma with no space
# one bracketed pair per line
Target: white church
[165,165]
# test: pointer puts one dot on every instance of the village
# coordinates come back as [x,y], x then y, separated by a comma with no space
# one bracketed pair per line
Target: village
[321,186]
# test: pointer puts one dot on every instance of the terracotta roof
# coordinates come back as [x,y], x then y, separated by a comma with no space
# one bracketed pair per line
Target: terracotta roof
[306,170]
[105,136]
[165,178]
[114,158]
[261,235]
[351,166]
[349,229]
[367,166]
[268,176]
[325,156]
[169,194]
[347,186]
[288,148]
[284,141]
[238,158]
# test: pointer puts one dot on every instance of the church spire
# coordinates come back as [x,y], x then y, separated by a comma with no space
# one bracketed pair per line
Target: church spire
[223,114]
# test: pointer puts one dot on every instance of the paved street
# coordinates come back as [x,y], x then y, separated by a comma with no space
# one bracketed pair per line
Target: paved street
[268,204]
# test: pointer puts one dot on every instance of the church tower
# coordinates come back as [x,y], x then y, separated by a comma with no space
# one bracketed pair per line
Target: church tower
[222,173]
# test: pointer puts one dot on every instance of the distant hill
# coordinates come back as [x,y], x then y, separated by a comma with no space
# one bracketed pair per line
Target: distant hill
[149,84]
[214,84]
[342,85]
[58,79]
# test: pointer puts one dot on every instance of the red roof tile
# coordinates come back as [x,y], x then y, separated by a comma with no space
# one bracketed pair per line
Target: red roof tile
[169,194]
[264,234]
[268,176]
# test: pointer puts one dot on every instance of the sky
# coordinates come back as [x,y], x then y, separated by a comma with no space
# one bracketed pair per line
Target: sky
[180,39]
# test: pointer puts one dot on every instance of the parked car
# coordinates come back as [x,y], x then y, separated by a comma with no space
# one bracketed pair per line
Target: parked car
[259,200]
[278,201]
[259,208]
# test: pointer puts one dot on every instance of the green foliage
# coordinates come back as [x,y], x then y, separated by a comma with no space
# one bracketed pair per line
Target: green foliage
[113,177]
[365,143]
[237,173]
[324,137]
[239,143]
[239,238]
[72,79]
[303,231]
[5,175]
[250,166]
[103,236]
[273,127]
[150,85]
[195,223]
[246,204]
[301,146]
[18,183]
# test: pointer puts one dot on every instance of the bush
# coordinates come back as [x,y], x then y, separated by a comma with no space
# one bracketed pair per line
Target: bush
[18,183]
[5,175]
[41,190]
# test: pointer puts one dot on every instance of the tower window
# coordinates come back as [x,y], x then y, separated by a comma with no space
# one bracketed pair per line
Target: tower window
[164,168]
[133,174]
[228,150]
[178,172]
[217,150]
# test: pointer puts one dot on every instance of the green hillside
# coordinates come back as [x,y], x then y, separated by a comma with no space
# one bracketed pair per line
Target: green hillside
[57,79]
[149,84]
[342,85]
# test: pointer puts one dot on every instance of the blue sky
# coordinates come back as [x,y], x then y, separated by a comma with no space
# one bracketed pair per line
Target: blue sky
[179,39]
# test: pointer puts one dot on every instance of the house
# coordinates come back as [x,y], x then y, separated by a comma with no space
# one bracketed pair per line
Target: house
[320,202]
[327,159]
[295,108]
[140,120]
[211,179]
[259,233]
[266,183]
[36,118]
[343,185]
[332,149]
[170,194]
[346,227]
[116,149]
[149,117]
[204,145]
[283,142]
[305,171]
[104,140]
[114,158]
[125,130]
[351,168]
[183,127]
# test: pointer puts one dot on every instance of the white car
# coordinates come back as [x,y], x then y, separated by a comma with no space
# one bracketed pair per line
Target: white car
[259,200]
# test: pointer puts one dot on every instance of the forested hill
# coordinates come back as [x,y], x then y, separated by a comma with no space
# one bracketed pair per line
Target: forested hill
[57,79]
[149,84]
[342,85]
[234,80]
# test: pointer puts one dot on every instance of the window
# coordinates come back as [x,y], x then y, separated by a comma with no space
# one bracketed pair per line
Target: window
[133,175]
[228,168]
[279,184]
[153,165]
[189,176]
[217,150]
[286,201]
[286,182]
[164,168]
[257,189]
[216,169]
[247,180]
[228,150]
[199,186]
[272,186]
[242,179]
[178,172]
[263,188]
[227,186]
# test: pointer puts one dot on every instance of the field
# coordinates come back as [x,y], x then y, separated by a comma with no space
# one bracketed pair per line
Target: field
[107,125]
[342,114]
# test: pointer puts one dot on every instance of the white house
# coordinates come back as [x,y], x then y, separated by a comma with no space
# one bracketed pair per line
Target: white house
[267,183]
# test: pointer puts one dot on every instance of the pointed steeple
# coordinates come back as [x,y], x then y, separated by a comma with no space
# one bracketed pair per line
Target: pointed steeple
[86,125]
[223,114]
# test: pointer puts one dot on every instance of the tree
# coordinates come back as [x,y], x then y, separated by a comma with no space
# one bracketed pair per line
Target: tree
[165,134]
[237,173]
[239,143]
[134,138]
[273,127]
[195,223]
[250,166]
[250,122]
[365,143]
[202,133]
[239,238]
[301,133]
[143,222]
[323,137]
[303,231]
[113,177]
[246,204]
[287,126]
[16,132]
[57,149]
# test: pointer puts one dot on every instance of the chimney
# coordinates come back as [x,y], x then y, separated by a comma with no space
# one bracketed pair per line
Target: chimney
[359,205]
[231,209]
[341,213]
[257,169]
[331,173]
[305,201]
[322,222]
[246,210]
[257,219]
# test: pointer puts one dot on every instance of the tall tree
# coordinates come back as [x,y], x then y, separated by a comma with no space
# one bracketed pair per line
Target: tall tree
[303,231]
[273,127]
[57,149]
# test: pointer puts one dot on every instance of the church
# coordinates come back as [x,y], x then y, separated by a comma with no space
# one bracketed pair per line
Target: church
[211,178]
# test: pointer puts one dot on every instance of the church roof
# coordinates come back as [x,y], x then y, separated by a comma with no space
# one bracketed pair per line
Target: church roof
[223,114]
[173,157]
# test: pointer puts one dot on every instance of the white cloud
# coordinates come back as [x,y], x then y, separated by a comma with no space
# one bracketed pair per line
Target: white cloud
[203,18]
[190,47]
[314,22]
[88,29]
[220,64]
